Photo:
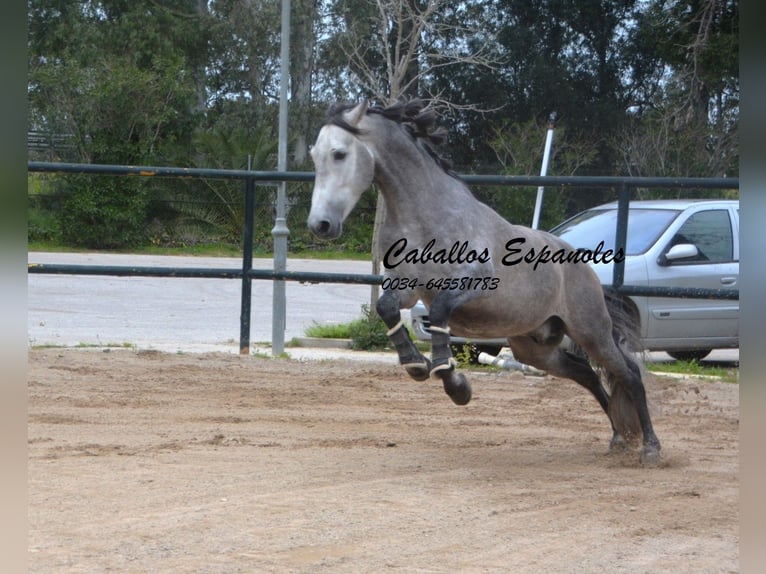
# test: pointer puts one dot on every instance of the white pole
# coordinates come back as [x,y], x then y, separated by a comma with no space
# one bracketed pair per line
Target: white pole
[544,169]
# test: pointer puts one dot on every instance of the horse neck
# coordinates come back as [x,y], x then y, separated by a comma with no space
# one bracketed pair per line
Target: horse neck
[410,181]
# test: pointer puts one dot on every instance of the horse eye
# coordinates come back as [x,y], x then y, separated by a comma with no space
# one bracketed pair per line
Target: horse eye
[339,155]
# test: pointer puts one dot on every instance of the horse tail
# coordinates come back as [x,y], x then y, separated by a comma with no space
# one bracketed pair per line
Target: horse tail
[622,409]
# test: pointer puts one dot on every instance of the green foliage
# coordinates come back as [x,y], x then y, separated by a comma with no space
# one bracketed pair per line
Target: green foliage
[640,87]
[658,145]
[369,332]
[119,78]
[42,221]
[519,148]
[103,212]
[42,225]
[465,354]
[120,85]
[339,331]
[695,368]
[214,208]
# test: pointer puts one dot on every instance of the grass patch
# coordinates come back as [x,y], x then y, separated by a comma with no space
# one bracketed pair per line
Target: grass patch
[694,368]
[368,333]
[85,346]
[338,331]
[365,333]
[258,354]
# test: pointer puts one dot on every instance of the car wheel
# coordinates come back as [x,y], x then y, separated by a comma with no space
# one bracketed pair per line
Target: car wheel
[696,355]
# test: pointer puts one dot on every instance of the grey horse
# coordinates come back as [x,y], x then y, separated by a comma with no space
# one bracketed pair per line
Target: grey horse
[480,276]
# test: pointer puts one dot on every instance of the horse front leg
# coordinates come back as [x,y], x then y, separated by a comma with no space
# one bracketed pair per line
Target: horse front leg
[413,361]
[443,363]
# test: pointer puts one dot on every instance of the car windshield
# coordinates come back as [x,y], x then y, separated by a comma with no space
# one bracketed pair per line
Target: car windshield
[589,228]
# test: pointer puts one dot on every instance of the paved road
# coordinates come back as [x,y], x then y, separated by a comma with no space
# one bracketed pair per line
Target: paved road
[172,313]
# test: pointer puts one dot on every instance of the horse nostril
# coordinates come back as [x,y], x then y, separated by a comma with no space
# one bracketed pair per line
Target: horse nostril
[323,228]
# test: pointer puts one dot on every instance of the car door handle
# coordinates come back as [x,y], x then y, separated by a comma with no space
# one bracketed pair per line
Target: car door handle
[728,280]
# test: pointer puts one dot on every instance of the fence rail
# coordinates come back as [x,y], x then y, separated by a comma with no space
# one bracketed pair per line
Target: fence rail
[246,273]
[470,179]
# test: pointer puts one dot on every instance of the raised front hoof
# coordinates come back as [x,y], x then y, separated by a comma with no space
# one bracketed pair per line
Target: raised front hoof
[650,455]
[457,388]
[419,371]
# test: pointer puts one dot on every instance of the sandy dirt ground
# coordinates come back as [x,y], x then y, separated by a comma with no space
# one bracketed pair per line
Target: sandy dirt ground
[183,463]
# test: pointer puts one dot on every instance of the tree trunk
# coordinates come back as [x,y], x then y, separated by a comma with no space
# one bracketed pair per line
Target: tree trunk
[301,67]
[200,88]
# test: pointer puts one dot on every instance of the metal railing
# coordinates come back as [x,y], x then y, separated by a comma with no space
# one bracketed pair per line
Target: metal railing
[246,273]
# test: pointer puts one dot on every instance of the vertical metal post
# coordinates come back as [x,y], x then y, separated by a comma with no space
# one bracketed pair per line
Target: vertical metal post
[247,264]
[280,230]
[544,169]
[621,235]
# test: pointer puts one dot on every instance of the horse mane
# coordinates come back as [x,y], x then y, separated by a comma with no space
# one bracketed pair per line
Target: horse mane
[417,120]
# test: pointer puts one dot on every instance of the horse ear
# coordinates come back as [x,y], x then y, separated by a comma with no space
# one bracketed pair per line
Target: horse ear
[355,114]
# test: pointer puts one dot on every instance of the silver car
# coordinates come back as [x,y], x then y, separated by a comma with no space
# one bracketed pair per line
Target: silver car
[671,243]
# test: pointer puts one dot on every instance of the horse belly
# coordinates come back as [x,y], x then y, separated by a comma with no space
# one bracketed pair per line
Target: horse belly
[486,320]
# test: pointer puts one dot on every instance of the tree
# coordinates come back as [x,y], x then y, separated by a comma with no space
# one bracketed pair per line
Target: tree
[519,150]
[304,14]
[243,68]
[688,126]
[215,207]
[387,49]
[645,87]
[121,86]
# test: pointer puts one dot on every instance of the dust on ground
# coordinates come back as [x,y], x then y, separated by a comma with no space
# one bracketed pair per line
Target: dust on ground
[216,463]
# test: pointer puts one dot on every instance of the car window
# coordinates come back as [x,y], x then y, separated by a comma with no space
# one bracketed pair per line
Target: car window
[589,228]
[710,232]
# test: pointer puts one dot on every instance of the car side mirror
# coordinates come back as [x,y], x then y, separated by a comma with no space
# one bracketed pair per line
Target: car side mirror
[677,252]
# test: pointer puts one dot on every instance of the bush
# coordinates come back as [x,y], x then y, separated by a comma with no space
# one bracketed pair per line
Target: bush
[104,212]
[42,226]
[369,332]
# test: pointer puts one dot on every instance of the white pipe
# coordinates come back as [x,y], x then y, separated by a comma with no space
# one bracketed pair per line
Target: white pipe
[544,169]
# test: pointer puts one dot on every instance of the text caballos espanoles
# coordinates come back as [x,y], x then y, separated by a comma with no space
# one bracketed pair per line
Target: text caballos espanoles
[461,252]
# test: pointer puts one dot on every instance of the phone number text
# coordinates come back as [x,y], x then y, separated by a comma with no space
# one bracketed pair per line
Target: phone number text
[441,283]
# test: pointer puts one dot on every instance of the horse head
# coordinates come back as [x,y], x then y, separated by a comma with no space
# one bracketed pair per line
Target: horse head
[344,169]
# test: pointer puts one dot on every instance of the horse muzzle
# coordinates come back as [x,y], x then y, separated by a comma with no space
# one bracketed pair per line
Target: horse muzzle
[325,228]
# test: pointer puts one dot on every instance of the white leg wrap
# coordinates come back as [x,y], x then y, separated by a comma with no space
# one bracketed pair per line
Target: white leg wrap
[444,330]
[395,328]
[445,367]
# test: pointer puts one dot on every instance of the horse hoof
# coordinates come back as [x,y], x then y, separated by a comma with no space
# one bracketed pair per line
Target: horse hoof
[458,388]
[650,456]
[419,371]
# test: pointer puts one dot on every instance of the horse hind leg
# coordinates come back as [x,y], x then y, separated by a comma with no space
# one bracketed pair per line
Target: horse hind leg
[629,404]
[581,372]
[542,349]
[547,355]
[628,408]
[417,366]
